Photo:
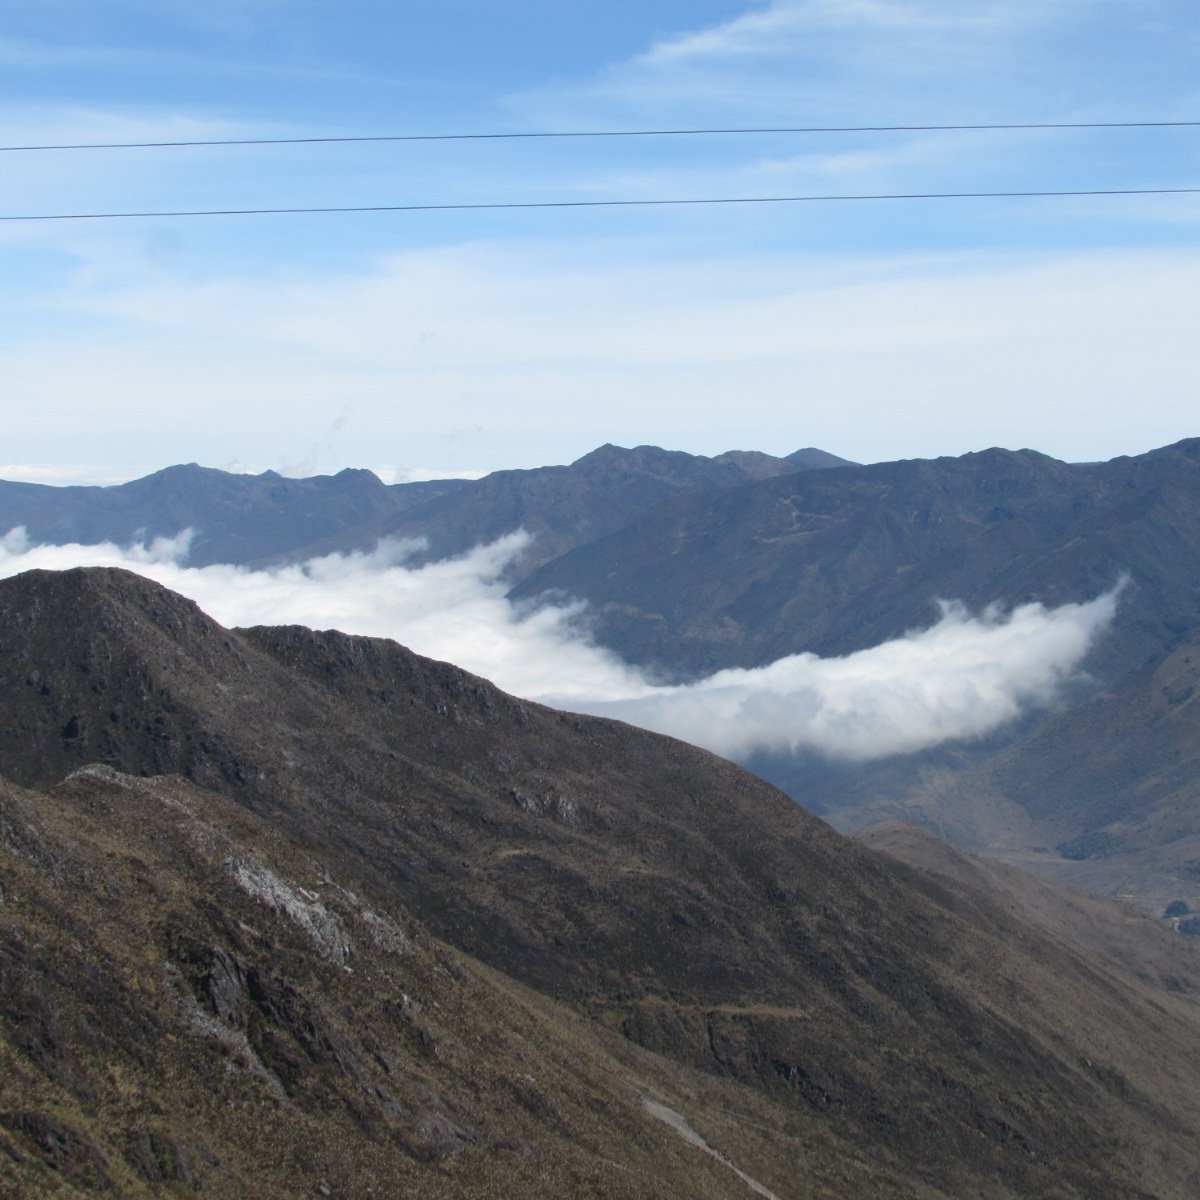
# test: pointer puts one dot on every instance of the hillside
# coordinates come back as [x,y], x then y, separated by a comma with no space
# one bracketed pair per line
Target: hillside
[193,1004]
[1113,929]
[889,1026]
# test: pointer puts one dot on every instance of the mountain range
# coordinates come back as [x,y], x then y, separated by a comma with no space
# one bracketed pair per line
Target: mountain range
[290,913]
[691,565]
[249,519]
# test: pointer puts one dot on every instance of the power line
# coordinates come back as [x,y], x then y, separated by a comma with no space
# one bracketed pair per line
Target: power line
[495,206]
[604,133]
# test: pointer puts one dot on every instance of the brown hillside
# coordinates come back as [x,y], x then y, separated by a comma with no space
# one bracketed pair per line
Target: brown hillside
[661,891]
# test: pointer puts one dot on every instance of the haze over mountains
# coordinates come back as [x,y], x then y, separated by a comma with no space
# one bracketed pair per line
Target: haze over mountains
[689,565]
[290,913]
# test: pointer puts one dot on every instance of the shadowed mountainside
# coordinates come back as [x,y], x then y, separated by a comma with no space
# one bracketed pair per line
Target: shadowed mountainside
[565,507]
[834,561]
[1103,795]
[1113,929]
[883,1018]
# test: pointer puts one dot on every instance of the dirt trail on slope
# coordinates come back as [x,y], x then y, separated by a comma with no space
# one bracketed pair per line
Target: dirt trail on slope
[679,1123]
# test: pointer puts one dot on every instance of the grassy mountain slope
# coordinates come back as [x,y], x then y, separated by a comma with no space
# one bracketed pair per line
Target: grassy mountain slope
[661,892]
[193,1004]
[1116,930]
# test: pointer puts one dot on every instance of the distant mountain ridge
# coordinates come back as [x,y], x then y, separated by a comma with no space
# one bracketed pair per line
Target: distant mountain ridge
[598,494]
[246,519]
[832,562]
[238,518]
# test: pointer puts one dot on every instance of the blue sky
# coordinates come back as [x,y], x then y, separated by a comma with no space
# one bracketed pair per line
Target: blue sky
[438,343]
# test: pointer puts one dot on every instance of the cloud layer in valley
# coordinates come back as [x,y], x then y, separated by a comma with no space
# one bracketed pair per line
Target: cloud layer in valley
[964,677]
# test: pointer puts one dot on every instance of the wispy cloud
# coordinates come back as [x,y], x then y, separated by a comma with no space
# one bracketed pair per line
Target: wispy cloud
[59,49]
[25,124]
[815,170]
[963,678]
[63,474]
[410,474]
[932,354]
[775,30]
[881,62]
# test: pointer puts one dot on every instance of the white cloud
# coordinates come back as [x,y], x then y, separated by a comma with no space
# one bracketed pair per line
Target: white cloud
[15,544]
[844,62]
[162,551]
[756,32]
[776,29]
[78,124]
[964,677]
[66,474]
[531,356]
[407,474]
[452,610]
